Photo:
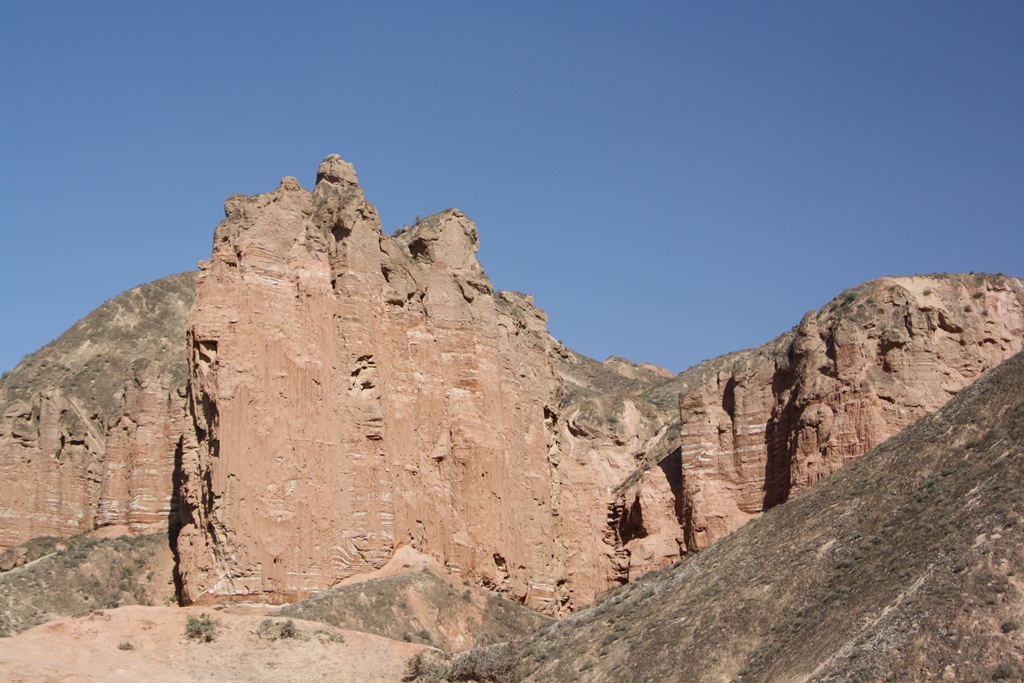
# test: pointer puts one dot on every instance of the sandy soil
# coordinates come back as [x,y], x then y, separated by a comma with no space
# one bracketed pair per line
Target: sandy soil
[86,649]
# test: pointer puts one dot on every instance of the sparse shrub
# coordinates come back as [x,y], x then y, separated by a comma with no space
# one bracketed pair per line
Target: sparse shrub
[1010,626]
[329,635]
[1002,672]
[201,628]
[977,295]
[849,297]
[271,630]
[423,634]
[288,629]
[496,663]
[927,291]
[125,645]
[427,666]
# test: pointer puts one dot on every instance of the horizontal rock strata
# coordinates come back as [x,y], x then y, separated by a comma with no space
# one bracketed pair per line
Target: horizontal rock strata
[90,423]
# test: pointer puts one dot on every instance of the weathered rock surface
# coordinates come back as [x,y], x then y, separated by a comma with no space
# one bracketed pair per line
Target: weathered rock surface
[338,393]
[760,425]
[89,424]
[352,392]
[903,566]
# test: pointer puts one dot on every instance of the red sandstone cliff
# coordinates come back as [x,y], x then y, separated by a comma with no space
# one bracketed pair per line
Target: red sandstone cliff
[758,426]
[89,424]
[352,392]
[349,393]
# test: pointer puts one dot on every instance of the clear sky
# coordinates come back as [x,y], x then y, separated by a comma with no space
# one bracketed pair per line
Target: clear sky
[670,180]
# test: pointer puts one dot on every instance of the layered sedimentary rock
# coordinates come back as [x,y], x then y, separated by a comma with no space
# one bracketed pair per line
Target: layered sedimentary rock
[143,447]
[89,423]
[352,392]
[338,393]
[760,425]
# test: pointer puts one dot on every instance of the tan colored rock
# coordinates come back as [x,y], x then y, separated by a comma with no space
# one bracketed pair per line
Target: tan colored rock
[97,414]
[352,392]
[136,491]
[759,426]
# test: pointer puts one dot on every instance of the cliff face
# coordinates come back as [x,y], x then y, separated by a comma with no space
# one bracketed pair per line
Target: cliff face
[903,566]
[758,426]
[352,392]
[337,393]
[89,424]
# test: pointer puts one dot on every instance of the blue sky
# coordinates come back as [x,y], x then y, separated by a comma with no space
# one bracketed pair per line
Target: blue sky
[671,181]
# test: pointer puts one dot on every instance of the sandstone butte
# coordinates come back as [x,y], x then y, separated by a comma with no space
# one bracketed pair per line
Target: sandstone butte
[336,394]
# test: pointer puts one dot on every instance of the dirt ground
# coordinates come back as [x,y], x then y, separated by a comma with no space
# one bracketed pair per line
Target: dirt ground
[149,644]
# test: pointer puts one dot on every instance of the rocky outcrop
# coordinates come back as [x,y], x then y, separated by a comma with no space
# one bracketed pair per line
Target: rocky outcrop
[352,392]
[903,566]
[89,424]
[758,426]
[143,448]
[337,394]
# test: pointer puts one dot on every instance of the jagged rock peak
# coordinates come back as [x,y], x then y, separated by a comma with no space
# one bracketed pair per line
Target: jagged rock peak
[449,238]
[289,183]
[337,171]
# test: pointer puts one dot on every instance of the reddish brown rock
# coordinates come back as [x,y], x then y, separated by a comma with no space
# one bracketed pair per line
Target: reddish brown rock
[142,449]
[96,414]
[759,426]
[352,392]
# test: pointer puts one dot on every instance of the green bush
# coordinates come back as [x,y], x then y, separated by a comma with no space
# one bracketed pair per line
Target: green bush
[201,628]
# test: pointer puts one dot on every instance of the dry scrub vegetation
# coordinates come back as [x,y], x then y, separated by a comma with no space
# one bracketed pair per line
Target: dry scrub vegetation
[905,565]
[77,575]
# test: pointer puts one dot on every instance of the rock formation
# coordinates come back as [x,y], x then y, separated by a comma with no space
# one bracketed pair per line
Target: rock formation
[89,424]
[759,426]
[337,394]
[903,566]
[352,392]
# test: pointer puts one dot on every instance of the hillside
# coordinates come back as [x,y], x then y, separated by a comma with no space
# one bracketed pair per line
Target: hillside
[321,394]
[89,423]
[904,565]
